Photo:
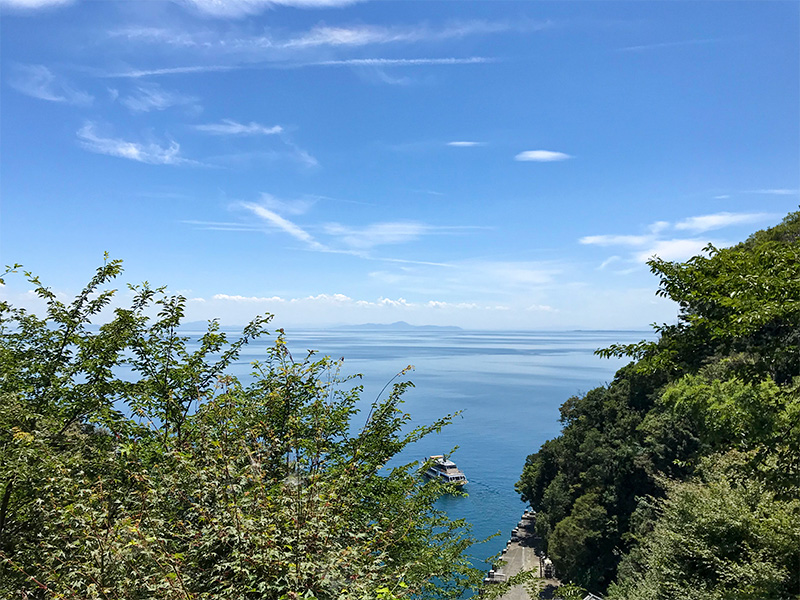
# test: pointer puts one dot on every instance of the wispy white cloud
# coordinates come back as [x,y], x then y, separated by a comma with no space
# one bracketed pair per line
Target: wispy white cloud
[429,192]
[138,73]
[658,227]
[151,153]
[390,277]
[541,308]
[513,273]
[375,63]
[237,48]
[338,298]
[477,281]
[33,4]
[152,96]
[381,76]
[375,66]
[775,192]
[302,156]
[675,250]
[403,261]
[231,127]
[465,144]
[222,225]
[474,278]
[382,302]
[280,223]
[348,36]
[401,62]
[39,82]
[376,234]
[292,207]
[238,298]
[242,42]
[163,35]
[243,8]
[338,238]
[438,304]
[249,158]
[400,302]
[609,261]
[675,44]
[360,239]
[363,35]
[655,243]
[722,197]
[282,149]
[424,293]
[615,240]
[541,156]
[703,223]
[646,246]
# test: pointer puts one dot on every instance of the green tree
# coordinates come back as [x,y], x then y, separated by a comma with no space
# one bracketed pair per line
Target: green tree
[724,378]
[744,299]
[578,540]
[719,536]
[133,466]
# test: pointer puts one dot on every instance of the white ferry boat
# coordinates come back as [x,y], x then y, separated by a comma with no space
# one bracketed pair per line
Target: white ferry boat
[445,470]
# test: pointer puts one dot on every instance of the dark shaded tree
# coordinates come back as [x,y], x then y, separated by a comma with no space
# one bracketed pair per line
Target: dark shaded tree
[723,379]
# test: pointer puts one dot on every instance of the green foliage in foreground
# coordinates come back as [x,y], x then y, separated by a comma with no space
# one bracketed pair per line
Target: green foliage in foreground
[720,535]
[132,466]
[681,478]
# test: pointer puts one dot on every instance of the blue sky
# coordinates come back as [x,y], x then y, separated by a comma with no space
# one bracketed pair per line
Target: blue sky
[483,164]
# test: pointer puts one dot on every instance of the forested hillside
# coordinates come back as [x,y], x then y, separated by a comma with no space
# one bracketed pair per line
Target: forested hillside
[133,466]
[681,478]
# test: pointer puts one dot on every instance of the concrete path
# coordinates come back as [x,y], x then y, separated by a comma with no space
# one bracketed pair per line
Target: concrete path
[520,555]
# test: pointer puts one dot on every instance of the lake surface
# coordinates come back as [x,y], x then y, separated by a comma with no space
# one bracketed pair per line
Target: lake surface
[508,386]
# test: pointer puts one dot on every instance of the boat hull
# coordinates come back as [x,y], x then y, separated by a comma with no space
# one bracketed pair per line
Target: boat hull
[445,471]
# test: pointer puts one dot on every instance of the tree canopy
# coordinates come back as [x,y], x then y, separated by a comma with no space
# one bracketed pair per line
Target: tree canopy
[680,478]
[133,465]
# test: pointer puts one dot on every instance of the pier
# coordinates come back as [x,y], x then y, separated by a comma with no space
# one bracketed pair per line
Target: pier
[521,554]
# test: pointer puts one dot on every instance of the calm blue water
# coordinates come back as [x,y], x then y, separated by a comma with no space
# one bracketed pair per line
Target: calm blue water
[509,387]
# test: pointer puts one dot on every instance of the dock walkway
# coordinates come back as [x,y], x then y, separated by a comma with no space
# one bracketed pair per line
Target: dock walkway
[520,555]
